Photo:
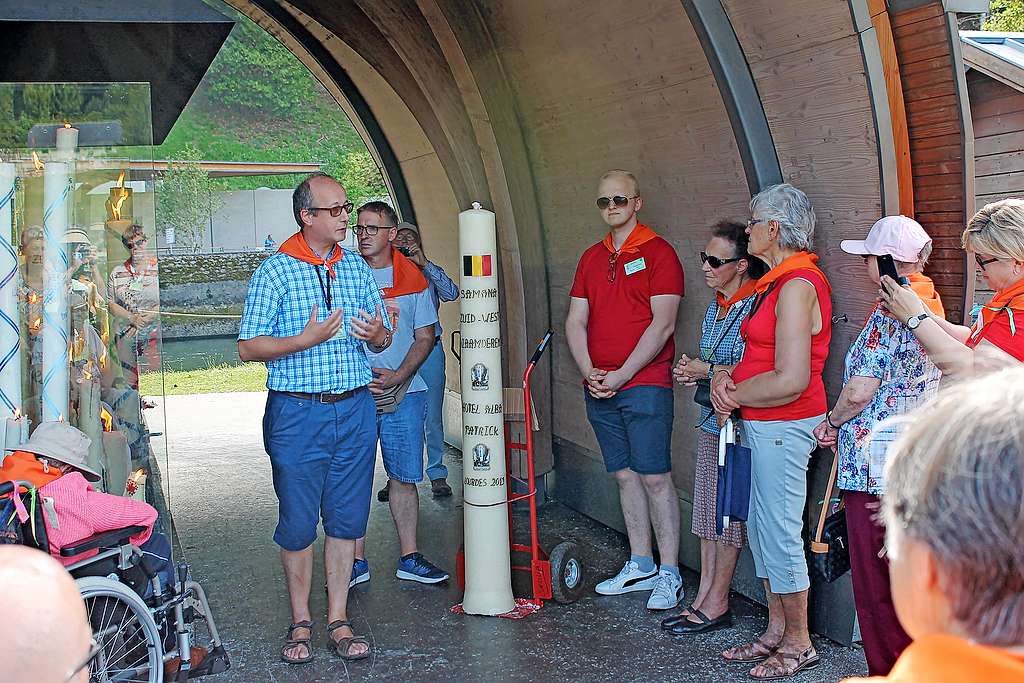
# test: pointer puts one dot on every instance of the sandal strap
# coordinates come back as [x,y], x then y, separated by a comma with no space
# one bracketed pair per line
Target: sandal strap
[335,625]
[701,616]
[297,625]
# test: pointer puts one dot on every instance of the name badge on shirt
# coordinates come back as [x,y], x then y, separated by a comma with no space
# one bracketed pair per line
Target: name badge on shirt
[635,266]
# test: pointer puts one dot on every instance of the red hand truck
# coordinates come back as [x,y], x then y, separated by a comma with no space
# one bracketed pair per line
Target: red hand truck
[560,574]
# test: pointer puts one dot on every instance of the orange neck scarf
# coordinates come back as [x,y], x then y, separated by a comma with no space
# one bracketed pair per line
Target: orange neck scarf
[640,234]
[923,286]
[802,260]
[746,289]
[940,657]
[1010,299]
[296,247]
[407,277]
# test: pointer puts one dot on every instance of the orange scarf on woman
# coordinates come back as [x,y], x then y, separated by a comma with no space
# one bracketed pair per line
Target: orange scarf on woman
[296,247]
[640,234]
[1010,299]
[407,277]
[923,286]
[746,289]
[802,260]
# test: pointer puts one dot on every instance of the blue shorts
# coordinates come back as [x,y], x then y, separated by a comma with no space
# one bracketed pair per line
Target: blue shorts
[634,429]
[322,456]
[401,438]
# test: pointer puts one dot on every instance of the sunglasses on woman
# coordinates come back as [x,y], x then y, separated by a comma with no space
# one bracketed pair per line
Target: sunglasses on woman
[335,211]
[982,262]
[716,262]
[620,201]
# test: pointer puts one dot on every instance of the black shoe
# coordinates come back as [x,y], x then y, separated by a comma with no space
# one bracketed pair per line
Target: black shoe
[669,622]
[382,495]
[703,626]
[440,488]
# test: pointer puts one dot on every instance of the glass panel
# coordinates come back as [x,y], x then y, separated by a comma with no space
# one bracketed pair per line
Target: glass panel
[79,285]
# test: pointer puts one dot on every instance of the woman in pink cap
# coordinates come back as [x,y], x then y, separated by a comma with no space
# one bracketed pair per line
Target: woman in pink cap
[888,373]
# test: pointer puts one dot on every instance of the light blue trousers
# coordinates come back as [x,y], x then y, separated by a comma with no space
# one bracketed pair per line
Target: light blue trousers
[432,372]
[780,451]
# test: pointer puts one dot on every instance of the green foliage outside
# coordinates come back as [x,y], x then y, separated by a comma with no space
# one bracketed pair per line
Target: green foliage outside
[1005,15]
[259,103]
[214,380]
[187,197]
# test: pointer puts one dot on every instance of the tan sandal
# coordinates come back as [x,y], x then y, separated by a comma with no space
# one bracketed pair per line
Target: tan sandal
[783,665]
[343,646]
[756,651]
[292,642]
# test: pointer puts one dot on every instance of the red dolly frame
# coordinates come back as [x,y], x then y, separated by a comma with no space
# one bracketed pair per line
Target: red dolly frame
[568,568]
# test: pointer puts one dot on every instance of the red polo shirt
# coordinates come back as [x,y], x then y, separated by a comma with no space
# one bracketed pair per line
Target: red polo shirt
[620,306]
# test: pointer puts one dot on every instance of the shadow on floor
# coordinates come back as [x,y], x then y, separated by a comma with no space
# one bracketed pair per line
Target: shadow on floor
[225,511]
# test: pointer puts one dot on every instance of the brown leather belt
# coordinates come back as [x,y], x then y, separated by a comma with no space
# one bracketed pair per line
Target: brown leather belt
[321,398]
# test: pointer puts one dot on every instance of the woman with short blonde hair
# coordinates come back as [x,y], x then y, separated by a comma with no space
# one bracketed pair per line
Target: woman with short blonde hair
[954,517]
[995,236]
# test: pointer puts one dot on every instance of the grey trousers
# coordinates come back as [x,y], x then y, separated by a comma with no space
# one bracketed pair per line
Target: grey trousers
[780,451]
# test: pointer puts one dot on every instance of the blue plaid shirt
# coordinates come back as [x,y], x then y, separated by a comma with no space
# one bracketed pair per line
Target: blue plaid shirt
[281,295]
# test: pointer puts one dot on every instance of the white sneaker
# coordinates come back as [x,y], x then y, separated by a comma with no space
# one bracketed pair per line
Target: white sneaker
[668,591]
[628,580]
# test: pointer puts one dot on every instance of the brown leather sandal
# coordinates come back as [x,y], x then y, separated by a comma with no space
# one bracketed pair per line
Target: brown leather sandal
[342,646]
[292,642]
[783,665]
[756,651]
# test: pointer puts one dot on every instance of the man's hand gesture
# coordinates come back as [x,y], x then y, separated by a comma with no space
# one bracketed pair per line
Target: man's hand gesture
[369,328]
[318,332]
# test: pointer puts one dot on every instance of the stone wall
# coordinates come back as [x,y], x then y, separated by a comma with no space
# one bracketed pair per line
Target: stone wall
[210,287]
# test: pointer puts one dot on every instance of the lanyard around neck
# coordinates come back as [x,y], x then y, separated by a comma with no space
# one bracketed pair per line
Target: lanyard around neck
[325,288]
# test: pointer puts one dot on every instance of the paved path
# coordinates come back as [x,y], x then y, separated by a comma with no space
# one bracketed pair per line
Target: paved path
[225,511]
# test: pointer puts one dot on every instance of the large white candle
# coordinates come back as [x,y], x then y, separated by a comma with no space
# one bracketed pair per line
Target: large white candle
[10,325]
[56,189]
[67,141]
[488,571]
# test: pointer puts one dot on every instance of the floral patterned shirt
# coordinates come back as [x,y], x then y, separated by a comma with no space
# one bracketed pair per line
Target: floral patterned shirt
[886,350]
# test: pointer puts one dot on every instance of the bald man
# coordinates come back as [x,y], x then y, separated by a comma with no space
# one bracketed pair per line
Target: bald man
[44,633]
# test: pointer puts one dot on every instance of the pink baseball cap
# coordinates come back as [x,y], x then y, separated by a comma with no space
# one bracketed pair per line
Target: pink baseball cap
[901,237]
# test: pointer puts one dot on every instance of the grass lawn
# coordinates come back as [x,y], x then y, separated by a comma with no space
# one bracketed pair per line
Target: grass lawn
[214,380]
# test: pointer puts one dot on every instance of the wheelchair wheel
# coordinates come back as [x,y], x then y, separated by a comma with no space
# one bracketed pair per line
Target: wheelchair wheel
[130,647]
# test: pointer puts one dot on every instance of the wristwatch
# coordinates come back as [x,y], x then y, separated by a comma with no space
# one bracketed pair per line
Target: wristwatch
[914,322]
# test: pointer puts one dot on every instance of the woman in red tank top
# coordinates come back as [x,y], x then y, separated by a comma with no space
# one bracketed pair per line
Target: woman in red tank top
[778,391]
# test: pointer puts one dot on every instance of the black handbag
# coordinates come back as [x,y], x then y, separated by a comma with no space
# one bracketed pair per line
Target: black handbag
[702,395]
[829,556]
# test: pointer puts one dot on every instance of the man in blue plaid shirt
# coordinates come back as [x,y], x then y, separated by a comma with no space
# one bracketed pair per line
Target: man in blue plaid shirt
[311,313]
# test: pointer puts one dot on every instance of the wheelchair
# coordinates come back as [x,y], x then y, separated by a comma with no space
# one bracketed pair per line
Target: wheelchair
[136,630]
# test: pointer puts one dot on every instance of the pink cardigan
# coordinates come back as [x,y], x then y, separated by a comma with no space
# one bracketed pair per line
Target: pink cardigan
[83,512]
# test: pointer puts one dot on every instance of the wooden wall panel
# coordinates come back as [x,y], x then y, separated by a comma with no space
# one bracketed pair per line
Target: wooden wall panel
[819,109]
[608,97]
[934,105]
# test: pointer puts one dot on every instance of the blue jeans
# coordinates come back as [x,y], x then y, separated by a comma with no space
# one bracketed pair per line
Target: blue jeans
[401,438]
[432,372]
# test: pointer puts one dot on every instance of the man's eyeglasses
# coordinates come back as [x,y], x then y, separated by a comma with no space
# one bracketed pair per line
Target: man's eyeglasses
[94,649]
[137,243]
[754,221]
[716,262]
[369,230]
[984,262]
[620,201]
[335,211]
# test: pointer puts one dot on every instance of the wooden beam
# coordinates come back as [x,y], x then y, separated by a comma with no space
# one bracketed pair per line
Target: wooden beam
[897,108]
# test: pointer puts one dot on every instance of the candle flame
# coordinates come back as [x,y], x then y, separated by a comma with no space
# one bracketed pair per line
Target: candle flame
[60,417]
[87,371]
[36,162]
[67,125]
[103,360]
[115,207]
[35,325]
[33,298]
[107,419]
[17,414]
[120,180]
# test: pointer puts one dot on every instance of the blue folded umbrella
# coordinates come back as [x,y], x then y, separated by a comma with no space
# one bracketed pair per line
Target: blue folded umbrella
[733,495]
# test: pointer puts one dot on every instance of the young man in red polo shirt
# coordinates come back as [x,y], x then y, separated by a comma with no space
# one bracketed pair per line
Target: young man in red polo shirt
[622,313]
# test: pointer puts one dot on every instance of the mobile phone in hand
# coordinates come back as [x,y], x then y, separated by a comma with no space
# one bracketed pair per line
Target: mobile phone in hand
[405,251]
[887,266]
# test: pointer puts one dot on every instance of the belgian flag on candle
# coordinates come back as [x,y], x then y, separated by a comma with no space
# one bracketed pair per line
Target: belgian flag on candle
[476,266]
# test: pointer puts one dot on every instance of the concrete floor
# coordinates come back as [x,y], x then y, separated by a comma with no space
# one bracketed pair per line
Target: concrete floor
[225,511]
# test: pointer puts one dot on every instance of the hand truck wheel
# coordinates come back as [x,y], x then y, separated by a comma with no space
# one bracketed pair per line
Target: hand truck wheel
[568,576]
